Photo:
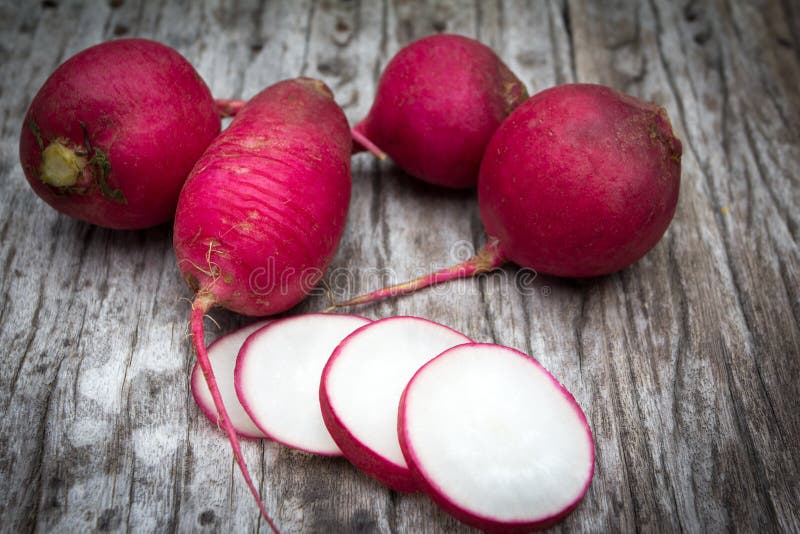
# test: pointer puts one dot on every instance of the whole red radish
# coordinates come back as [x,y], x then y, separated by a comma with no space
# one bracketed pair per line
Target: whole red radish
[115,130]
[579,181]
[262,212]
[438,102]
[582,181]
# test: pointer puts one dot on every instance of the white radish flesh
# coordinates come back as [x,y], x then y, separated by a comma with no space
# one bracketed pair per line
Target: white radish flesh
[222,354]
[277,378]
[495,440]
[361,388]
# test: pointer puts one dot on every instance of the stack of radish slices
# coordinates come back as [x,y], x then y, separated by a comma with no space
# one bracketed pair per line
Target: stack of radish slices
[483,429]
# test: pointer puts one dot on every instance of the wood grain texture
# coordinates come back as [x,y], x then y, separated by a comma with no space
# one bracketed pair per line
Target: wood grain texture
[687,364]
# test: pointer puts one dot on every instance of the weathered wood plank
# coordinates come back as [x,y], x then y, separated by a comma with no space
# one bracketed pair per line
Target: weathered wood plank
[687,364]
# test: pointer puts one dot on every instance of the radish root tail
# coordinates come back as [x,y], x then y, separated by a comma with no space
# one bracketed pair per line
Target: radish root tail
[369,145]
[200,306]
[487,259]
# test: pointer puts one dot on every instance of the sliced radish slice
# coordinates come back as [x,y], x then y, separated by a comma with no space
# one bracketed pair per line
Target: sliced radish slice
[495,440]
[277,377]
[222,354]
[361,388]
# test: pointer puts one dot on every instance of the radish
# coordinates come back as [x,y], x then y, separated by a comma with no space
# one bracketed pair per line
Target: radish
[222,355]
[361,387]
[277,378]
[579,181]
[495,440]
[438,102]
[114,131]
[262,212]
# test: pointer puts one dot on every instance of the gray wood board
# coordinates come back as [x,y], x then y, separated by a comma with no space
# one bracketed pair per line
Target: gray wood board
[687,364]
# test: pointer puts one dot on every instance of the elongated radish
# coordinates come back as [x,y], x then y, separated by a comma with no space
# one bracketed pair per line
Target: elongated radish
[114,131]
[438,102]
[222,355]
[277,377]
[361,387]
[228,107]
[495,440]
[579,181]
[262,212]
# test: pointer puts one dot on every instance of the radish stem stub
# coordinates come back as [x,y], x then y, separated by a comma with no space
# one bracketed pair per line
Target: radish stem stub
[494,439]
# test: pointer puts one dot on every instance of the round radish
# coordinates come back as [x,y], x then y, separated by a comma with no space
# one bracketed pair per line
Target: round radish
[114,131]
[262,212]
[361,387]
[438,102]
[495,440]
[222,355]
[579,181]
[277,377]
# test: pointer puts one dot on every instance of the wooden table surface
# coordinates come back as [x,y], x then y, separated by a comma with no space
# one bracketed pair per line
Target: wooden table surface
[687,364]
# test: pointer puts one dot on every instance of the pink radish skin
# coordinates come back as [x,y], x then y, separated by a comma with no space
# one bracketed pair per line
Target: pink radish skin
[262,212]
[230,107]
[579,181]
[277,378]
[582,181]
[438,102]
[361,387]
[222,354]
[495,440]
[115,130]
